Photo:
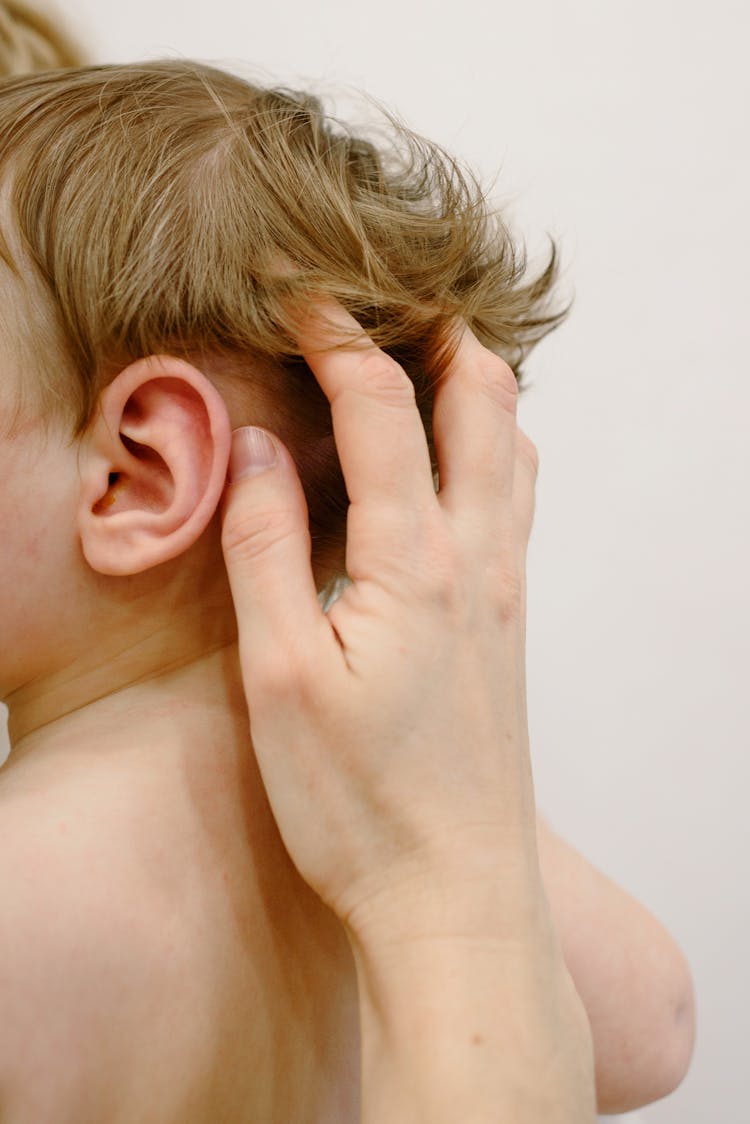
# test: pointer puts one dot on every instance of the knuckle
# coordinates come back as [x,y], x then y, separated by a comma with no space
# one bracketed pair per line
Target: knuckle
[447,575]
[251,535]
[279,678]
[465,585]
[497,380]
[457,589]
[506,593]
[281,674]
[383,378]
[443,585]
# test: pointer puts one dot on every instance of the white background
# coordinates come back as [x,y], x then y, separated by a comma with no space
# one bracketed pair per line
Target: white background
[622,128]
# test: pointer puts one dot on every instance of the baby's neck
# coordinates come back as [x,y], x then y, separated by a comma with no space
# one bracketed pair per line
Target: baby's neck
[175,750]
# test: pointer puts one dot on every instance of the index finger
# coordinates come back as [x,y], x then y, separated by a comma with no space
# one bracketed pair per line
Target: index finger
[379,434]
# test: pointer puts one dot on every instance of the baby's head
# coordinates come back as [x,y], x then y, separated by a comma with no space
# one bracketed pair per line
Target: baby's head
[159,224]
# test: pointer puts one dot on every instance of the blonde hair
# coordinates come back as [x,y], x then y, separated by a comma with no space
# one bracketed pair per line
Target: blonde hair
[170,207]
[30,41]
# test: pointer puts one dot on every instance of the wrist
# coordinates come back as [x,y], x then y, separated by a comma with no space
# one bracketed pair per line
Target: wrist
[481,898]
[482,1030]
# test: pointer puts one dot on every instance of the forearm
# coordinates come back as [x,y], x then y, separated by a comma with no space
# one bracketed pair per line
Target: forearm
[481,1031]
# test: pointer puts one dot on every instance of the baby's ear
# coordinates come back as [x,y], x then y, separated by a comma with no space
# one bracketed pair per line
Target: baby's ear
[153,466]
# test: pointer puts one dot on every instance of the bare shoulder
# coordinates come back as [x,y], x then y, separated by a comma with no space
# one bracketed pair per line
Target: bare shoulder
[103,992]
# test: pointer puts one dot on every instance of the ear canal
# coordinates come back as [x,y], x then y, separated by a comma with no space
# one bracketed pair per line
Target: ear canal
[109,497]
[149,490]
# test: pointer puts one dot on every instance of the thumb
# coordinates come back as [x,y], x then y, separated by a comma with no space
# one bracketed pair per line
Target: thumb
[266,543]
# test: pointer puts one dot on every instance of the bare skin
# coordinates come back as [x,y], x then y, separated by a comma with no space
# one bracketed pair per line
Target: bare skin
[160,957]
[136,848]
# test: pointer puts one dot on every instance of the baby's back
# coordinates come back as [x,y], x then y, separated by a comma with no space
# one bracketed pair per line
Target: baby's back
[126,990]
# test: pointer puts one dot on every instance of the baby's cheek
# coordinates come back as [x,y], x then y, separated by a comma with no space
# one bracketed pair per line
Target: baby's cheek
[23,536]
[33,548]
[29,597]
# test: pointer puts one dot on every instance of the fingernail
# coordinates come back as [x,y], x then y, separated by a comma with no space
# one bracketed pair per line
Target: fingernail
[253,451]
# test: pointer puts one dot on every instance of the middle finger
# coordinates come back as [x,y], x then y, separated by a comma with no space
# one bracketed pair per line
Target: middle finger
[379,434]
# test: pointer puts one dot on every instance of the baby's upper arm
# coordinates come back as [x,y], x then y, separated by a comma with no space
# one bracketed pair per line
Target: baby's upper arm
[632,977]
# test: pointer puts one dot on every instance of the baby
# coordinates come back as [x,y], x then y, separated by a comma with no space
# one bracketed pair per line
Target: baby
[161,958]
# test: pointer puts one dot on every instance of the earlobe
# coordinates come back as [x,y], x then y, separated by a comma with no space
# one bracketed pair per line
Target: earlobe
[153,467]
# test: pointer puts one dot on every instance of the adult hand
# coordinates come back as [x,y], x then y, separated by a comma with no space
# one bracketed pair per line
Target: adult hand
[391,731]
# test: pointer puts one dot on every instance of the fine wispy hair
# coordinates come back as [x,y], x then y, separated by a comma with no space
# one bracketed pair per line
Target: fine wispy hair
[168,206]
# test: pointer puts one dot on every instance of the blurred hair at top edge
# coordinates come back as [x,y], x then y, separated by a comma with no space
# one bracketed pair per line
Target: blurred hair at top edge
[170,207]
